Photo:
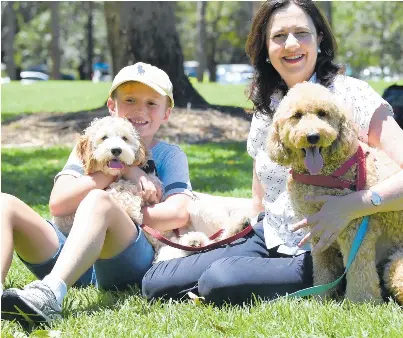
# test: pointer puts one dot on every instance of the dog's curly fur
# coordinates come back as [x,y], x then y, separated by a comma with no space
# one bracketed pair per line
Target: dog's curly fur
[111,142]
[311,109]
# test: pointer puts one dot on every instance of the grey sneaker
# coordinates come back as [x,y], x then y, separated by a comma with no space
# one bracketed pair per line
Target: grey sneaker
[36,303]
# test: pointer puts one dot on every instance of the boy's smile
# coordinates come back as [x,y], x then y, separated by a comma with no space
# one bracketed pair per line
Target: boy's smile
[142,106]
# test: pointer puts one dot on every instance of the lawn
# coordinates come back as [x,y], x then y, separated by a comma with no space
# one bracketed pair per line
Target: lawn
[67,96]
[222,169]
[28,173]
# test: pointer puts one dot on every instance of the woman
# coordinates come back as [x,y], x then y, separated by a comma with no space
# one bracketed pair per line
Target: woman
[290,42]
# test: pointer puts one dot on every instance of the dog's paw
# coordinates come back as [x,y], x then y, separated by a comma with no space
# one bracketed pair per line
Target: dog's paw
[194,239]
[167,253]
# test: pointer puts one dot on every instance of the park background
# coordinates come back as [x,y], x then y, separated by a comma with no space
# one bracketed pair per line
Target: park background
[58,59]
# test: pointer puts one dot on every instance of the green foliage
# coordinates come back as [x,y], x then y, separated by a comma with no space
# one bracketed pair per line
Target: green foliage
[216,168]
[227,26]
[369,34]
[32,43]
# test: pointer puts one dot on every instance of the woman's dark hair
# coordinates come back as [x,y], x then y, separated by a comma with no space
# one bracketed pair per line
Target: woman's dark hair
[266,79]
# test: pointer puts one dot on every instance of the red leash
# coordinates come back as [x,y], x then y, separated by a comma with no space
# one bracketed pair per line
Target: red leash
[156,234]
[334,180]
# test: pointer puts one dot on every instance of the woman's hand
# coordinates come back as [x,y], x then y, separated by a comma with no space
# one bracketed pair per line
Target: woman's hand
[151,193]
[334,216]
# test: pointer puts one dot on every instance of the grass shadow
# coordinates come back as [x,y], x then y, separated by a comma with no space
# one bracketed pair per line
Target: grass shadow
[29,173]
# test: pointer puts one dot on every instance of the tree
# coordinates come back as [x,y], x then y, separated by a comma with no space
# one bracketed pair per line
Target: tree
[326,7]
[227,25]
[145,31]
[369,34]
[90,40]
[201,43]
[55,49]
[8,33]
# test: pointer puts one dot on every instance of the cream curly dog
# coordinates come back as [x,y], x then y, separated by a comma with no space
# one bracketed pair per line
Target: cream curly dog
[313,134]
[111,143]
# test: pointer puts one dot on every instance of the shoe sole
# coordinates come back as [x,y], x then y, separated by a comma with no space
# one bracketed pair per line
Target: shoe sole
[15,308]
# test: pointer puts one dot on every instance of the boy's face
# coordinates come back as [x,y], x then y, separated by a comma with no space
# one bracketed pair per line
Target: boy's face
[142,106]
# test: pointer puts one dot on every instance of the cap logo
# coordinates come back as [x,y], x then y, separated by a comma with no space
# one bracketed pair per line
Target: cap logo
[140,70]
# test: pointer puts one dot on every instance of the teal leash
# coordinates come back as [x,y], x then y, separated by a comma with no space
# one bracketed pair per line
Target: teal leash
[314,290]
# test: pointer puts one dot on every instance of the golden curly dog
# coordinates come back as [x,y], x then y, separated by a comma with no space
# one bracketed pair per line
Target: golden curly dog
[313,134]
[111,143]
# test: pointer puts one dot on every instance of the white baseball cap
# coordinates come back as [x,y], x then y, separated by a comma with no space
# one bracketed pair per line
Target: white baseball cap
[151,76]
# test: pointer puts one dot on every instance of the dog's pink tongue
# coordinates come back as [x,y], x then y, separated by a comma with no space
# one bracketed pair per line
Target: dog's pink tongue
[313,160]
[115,164]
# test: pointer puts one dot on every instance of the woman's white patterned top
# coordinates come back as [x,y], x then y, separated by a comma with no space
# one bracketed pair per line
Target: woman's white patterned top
[279,216]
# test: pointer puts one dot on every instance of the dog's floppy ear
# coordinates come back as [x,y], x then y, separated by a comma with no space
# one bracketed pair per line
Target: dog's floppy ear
[275,147]
[141,155]
[348,136]
[84,153]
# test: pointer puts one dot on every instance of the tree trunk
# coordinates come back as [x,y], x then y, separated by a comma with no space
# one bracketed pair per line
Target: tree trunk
[145,31]
[55,48]
[201,42]
[211,63]
[255,7]
[90,41]
[212,44]
[327,9]
[9,30]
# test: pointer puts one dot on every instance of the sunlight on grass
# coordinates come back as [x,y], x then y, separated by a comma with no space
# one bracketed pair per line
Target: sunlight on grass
[52,96]
[223,169]
[75,96]
[224,94]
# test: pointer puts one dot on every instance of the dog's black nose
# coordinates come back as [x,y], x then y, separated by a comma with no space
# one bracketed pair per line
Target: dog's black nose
[116,151]
[313,138]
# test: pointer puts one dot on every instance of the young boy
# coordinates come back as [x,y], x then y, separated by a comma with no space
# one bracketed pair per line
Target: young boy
[102,235]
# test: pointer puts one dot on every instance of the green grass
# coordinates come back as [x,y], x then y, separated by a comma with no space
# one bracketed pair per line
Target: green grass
[224,94]
[51,97]
[74,96]
[215,168]
[221,169]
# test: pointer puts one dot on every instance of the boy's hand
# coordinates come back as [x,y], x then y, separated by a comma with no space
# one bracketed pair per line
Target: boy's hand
[151,193]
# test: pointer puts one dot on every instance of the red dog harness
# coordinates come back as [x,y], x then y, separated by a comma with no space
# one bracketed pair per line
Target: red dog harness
[334,180]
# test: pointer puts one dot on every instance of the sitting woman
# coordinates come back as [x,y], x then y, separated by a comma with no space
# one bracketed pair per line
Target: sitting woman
[290,42]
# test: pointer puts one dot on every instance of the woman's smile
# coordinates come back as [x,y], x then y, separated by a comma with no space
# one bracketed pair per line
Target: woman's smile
[293,59]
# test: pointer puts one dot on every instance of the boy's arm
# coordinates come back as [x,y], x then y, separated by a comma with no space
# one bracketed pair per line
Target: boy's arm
[68,191]
[173,171]
[71,186]
[168,215]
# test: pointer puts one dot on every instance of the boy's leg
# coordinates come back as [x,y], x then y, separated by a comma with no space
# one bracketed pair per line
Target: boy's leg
[22,229]
[174,278]
[239,279]
[101,229]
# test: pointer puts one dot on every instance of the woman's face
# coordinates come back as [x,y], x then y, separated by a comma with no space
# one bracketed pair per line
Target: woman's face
[292,43]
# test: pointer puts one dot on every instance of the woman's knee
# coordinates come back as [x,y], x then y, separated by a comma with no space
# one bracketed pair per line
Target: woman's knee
[218,281]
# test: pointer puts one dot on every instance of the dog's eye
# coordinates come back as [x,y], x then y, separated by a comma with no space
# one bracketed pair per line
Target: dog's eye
[124,138]
[321,113]
[104,138]
[297,115]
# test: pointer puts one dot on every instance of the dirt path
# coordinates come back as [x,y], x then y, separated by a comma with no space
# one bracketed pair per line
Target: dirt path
[184,126]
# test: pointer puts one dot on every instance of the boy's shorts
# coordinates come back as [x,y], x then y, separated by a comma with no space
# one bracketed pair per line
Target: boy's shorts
[116,273]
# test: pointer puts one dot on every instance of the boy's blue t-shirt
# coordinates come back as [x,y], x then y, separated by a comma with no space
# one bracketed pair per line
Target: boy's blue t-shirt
[170,161]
